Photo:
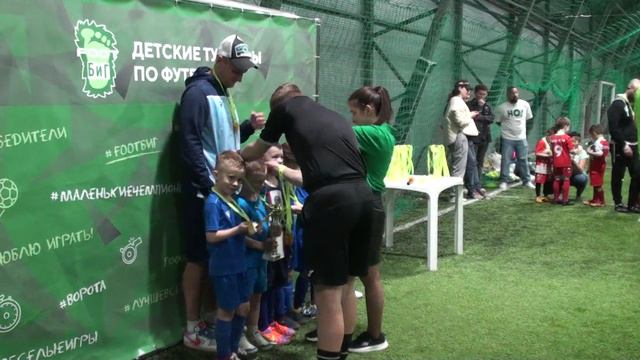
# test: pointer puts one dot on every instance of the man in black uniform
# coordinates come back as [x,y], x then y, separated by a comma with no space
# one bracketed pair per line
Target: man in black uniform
[338,213]
[624,148]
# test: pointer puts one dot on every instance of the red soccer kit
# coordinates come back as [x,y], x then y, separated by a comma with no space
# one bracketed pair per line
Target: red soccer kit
[598,164]
[543,163]
[561,145]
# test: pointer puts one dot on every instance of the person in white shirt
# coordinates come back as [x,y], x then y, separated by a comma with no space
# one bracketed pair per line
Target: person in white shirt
[459,122]
[512,116]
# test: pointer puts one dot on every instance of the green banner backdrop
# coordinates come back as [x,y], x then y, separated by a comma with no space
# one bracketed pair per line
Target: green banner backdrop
[90,257]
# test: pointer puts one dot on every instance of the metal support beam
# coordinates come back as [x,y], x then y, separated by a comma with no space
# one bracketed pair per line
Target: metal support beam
[420,73]
[457,40]
[351,16]
[509,10]
[582,40]
[386,60]
[621,40]
[271,4]
[544,53]
[566,105]
[366,51]
[499,18]
[593,88]
[546,82]
[401,25]
[482,46]
[629,52]
[521,59]
[540,101]
[506,64]
[475,76]
[519,75]
[587,99]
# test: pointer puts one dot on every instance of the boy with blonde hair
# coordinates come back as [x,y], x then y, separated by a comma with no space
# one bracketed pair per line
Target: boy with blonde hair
[226,225]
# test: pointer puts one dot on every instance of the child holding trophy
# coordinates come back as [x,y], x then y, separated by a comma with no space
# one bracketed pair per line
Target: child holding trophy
[226,225]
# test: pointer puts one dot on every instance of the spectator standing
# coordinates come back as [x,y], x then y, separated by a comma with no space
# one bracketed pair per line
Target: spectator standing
[512,117]
[483,122]
[624,148]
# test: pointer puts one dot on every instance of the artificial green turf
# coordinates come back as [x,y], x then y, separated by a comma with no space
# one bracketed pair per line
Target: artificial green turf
[536,281]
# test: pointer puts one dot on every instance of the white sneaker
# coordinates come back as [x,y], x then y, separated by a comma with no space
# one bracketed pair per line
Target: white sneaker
[258,340]
[359,294]
[503,186]
[246,347]
[202,338]
[529,185]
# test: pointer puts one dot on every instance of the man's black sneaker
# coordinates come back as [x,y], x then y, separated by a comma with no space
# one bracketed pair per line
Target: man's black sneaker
[298,317]
[289,322]
[635,209]
[312,335]
[365,343]
[621,208]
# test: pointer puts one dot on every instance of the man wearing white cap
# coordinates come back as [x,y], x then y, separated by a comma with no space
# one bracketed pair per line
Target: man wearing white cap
[209,125]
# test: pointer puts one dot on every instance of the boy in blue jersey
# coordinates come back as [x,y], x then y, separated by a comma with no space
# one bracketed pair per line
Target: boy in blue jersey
[257,244]
[226,226]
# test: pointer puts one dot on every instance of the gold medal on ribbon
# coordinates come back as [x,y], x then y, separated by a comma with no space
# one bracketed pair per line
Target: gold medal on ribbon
[252,227]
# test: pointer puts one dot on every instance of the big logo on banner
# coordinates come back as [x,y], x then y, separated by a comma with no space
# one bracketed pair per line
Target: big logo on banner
[96,48]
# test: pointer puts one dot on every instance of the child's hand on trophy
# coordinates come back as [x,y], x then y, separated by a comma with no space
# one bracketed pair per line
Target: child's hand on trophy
[269,245]
[257,227]
[296,208]
[275,229]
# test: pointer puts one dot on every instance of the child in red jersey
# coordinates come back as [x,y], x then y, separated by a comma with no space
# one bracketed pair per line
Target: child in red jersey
[544,164]
[562,147]
[597,165]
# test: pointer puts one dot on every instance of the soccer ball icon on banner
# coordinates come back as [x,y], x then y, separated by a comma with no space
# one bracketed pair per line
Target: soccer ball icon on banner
[10,313]
[8,194]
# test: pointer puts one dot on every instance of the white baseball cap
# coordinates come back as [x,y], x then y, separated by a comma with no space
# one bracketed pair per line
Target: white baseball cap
[236,50]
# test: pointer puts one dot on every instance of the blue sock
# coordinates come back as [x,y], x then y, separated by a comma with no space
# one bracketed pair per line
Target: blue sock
[223,338]
[266,310]
[288,297]
[237,326]
[280,306]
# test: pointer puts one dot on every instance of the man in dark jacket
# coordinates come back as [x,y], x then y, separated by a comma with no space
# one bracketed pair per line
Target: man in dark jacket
[483,121]
[624,148]
[208,126]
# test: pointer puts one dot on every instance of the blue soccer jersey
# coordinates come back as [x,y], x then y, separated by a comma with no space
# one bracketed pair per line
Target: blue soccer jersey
[228,256]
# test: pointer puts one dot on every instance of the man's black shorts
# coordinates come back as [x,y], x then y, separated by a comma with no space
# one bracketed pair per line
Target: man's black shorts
[377,229]
[338,232]
[192,228]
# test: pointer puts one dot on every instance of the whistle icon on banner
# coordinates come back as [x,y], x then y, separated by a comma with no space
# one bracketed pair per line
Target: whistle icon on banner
[130,251]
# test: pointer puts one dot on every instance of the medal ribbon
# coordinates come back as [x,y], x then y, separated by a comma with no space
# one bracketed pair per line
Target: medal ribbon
[232,105]
[237,209]
[287,189]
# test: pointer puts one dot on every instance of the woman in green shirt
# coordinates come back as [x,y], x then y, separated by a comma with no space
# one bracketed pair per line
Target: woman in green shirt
[371,110]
